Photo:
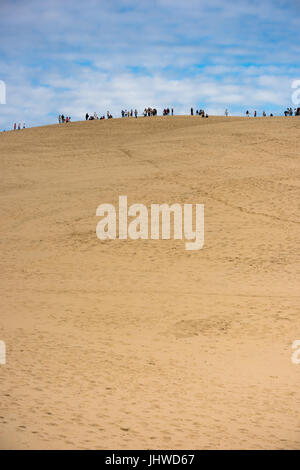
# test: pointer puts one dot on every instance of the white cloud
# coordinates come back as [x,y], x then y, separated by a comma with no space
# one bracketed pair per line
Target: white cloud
[63,56]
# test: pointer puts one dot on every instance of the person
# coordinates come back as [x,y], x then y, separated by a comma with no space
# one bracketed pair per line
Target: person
[247,113]
[62,118]
[192,111]
[254,113]
[15,126]
[136,113]
[226,112]
[87,116]
[172,111]
[59,119]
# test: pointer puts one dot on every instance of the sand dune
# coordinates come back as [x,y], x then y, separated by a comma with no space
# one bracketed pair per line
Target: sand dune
[141,344]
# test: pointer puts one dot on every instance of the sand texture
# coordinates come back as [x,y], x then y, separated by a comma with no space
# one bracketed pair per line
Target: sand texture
[142,344]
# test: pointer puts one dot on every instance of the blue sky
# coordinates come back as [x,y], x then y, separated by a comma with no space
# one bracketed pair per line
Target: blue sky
[73,57]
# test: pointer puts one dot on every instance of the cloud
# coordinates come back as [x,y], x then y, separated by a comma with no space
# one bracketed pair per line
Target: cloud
[71,57]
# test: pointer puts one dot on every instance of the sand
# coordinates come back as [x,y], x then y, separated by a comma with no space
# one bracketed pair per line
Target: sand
[142,344]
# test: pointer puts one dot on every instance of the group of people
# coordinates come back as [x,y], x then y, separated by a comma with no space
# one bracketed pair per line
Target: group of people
[125,113]
[166,112]
[264,114]
[153,112]
[62,119]
[290,112]
[18,127]
[95,116]
[147,112]
[199,112]
[202,113]
[150,112]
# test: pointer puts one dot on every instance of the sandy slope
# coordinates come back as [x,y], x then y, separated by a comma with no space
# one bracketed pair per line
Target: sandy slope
[141,344]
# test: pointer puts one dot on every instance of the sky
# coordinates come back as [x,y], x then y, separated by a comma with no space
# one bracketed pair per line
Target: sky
[73,56]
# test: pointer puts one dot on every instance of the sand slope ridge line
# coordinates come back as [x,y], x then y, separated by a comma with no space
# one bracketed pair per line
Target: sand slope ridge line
[248,211]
